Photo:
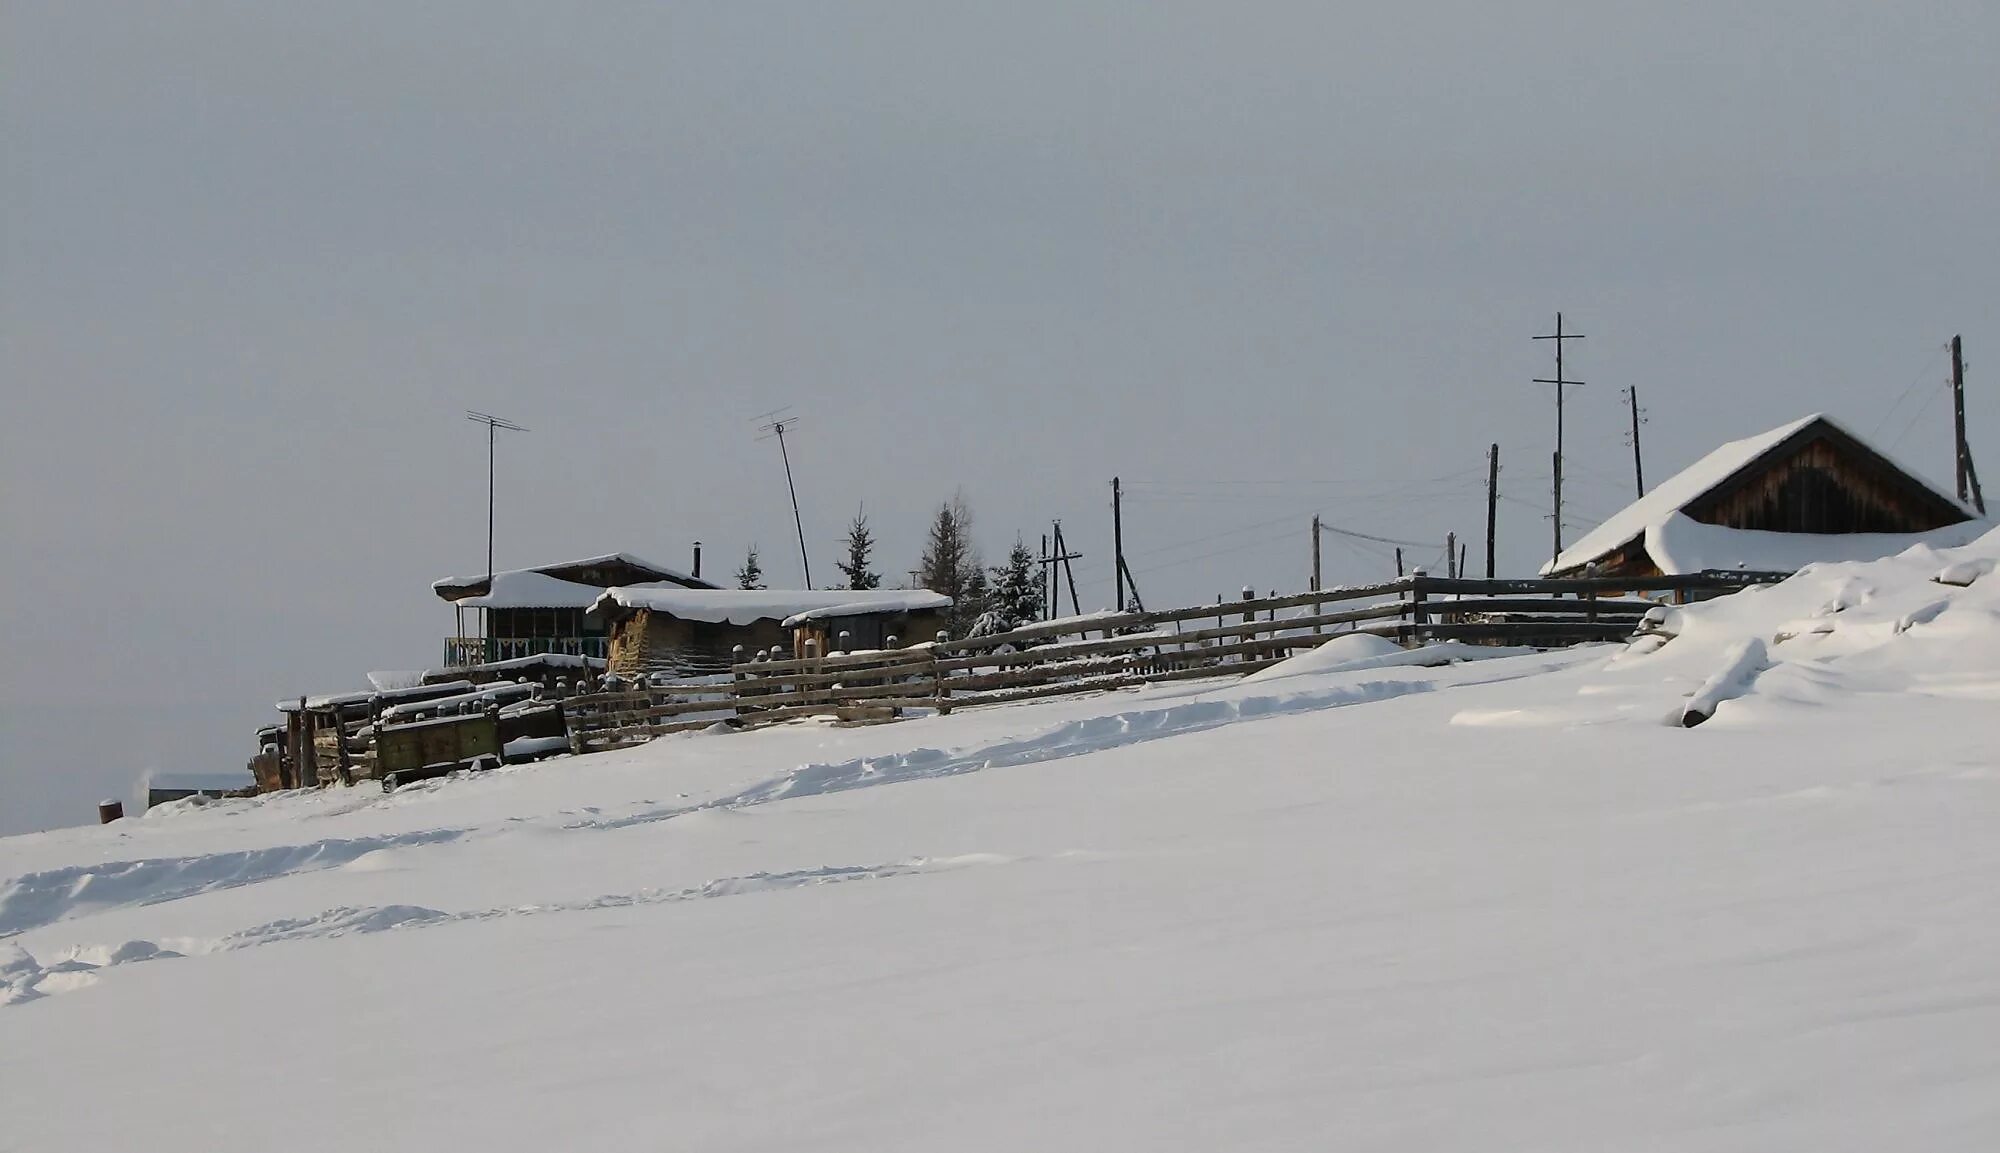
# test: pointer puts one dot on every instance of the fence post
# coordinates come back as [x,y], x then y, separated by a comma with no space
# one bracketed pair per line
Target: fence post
[939,688]
[1249,618]
[1417,615]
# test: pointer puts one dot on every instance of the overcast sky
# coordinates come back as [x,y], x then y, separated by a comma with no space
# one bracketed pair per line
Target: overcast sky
[1260,260]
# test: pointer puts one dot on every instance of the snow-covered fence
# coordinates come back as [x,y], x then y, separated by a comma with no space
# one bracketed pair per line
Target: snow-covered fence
[1103,651]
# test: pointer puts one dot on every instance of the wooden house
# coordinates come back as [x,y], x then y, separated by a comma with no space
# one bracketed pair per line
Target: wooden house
[1805,492]
[527,612]
[659,629]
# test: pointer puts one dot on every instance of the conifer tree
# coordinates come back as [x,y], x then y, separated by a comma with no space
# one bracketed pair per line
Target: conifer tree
[1017,595]
[751,575]
[950,561]
[860,544]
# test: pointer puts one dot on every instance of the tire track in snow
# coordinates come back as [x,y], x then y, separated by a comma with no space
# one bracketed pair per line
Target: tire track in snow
[23,979]
[1071,739]
[33,900]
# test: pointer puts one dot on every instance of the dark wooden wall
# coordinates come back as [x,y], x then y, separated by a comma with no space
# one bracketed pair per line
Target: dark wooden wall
[1821,488]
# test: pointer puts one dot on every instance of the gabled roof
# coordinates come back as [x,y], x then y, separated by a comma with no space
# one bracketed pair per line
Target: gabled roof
[1717,472]
[564,584]
[742,606]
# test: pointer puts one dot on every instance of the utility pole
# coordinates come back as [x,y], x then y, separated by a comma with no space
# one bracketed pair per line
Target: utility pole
[1118,543]
[1316,582]
[493,426]
[1558,480]
[1492,502]
[777,428]
[1561,383]
[1968,476]
[1048,606]
[1063,557]
[1638,418]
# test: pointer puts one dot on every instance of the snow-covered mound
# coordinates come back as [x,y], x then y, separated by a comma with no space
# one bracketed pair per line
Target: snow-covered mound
[1920,622]
[1355,652]
[1503,904]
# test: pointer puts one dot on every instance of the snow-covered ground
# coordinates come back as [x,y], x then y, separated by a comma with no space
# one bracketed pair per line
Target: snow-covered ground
[1502,904]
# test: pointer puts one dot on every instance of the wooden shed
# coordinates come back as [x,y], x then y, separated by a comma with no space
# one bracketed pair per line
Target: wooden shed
[1805,492]
[697,630]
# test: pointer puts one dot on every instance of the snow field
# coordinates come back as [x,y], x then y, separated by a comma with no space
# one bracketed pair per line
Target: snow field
[1500,904]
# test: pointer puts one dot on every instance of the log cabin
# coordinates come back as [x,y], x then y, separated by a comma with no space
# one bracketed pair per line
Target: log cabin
[1805,492]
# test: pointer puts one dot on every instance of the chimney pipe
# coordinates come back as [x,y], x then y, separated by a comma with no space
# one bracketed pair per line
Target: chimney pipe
[697,559]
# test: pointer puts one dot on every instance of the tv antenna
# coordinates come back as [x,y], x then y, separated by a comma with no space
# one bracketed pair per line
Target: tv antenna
[776,425]
[493,426]
[1559,336]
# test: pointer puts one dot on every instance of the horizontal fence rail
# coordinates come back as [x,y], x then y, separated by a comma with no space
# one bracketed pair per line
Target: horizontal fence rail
[1121,650]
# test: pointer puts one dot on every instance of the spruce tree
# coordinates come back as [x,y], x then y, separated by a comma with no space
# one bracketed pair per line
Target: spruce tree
[949,561]
[1017,595]
[751,575]
[860,544]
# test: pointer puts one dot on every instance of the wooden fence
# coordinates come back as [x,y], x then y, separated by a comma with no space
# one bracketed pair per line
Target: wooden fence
[1120,650]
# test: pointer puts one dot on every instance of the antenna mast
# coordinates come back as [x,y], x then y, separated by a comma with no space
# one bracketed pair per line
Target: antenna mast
[777,428]
[493,425]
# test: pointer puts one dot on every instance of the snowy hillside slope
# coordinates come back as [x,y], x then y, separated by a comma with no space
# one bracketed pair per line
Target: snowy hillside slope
[1506,903]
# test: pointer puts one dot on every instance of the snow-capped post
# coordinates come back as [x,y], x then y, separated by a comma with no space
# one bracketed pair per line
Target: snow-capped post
[1249,618]
[846,642]
[109,811]
[1417,617]
[300,742]
[811,656]
[939,689]
[1590,594]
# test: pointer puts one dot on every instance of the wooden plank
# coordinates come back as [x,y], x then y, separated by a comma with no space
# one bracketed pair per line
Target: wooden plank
[1547,606]
[835,675]
[1698,582]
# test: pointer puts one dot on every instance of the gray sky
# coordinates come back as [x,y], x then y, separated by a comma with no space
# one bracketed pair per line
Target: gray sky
[255,259]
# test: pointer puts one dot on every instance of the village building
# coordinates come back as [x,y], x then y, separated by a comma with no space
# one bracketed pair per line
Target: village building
[1805,492]
[533,611]
[662,629]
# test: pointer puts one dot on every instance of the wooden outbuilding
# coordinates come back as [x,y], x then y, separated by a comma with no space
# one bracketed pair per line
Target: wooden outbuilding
[1805,492]
[657,629]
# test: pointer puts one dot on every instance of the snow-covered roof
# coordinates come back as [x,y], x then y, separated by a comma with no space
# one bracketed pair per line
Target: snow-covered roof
[527,587]
[335,700]
[1667,499]
[886,601]
[742,606]
[1681,545]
